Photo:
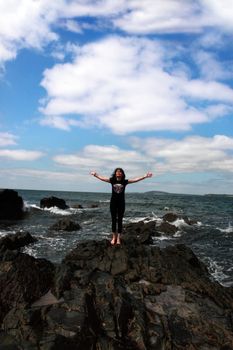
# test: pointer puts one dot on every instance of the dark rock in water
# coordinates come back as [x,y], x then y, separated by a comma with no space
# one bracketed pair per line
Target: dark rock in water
[140,231]
[11,205]
[167,228]
[94,205]
[77,206]
[132,296]
[171,217]
[66,225]
[53,202]
[16,241]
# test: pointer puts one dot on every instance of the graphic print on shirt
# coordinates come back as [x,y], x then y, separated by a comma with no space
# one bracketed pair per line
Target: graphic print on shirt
[118,188]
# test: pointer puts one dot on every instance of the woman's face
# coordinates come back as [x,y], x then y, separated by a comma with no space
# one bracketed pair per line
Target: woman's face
[119,173]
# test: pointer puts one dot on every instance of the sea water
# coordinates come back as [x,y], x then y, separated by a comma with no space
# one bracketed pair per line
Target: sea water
[211,238]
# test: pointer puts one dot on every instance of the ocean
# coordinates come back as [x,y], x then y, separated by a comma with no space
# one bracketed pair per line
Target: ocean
[211,238]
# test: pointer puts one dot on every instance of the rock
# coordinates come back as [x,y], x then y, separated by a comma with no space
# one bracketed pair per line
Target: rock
[53,202]
[93,205]
[23,280]
[171,217]
[140,231]
[16,241]
[77,206]
[66,225]
[7,342]
[133,296]
[11,205]
[167,228]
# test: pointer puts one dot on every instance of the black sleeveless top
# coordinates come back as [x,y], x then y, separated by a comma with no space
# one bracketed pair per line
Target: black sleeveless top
[118,189]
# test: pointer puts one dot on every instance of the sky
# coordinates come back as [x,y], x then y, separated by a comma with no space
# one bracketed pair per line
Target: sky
[92,85]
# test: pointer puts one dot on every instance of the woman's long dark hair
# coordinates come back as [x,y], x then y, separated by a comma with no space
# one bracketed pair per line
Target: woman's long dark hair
[113,177]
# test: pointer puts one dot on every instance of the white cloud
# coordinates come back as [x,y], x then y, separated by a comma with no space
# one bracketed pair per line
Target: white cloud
[123,84]
[105,159]
[42,179]
[7,139]
[20,154]
[72,26]
[192,154]
[219,12]
[175,16]
[164,16]
[33,23]
[210,67]
[205,90]
[39,174]
[59,122]
[25,23]
[218,110]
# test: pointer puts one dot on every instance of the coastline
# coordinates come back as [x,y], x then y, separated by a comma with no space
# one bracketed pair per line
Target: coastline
[135,296]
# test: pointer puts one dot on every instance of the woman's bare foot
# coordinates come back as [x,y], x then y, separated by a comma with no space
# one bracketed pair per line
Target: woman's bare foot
[118,240]
[114,238]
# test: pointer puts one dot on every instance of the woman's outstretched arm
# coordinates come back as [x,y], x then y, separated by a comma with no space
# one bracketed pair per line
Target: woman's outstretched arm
[136,179]
[102,178]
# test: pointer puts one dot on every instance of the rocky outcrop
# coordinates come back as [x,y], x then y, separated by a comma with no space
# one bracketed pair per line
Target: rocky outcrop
[77,206]
[50,202]
[167,228]
[171,217]
[132,296]
[66,225]
[140,231]
[11,205]
[16,241]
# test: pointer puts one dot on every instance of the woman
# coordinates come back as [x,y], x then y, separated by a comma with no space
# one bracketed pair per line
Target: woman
[117,203]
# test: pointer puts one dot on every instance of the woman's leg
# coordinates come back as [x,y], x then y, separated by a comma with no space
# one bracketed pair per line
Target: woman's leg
[113,210]
[120,212]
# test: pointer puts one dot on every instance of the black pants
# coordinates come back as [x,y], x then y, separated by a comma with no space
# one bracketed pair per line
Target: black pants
[117,209]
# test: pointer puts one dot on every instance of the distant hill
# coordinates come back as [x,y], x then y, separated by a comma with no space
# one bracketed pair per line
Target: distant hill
[218,195]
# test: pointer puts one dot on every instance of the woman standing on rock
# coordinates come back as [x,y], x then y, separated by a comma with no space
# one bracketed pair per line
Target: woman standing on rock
[117,203]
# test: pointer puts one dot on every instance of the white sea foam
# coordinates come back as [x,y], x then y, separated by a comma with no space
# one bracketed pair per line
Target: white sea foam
[135,219]
[178,234]
[180,223]
[34,206]
[30,251]
[8,232]
[162,238]
[199,223]
[57,211]
[138,219]
[3,234]
[26,205]
[229,229]
[217,271]
[156,217]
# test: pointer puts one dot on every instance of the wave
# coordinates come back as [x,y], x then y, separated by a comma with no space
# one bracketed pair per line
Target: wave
[229,229]
[163,237]
[217,273]
[139,218]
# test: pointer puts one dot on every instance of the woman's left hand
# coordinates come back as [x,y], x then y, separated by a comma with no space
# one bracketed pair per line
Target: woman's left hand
[149,174]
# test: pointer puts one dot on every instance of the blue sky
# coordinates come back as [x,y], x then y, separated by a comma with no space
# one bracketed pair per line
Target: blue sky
[98,84]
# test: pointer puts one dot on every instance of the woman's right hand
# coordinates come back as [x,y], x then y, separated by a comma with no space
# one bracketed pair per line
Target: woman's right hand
[93,173]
